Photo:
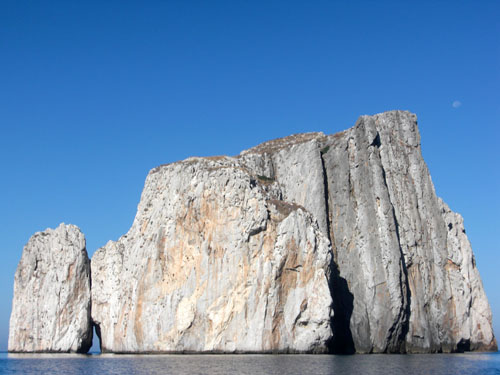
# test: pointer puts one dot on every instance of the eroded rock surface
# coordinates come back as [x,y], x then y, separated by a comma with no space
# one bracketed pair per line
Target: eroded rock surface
[51,305]
[214,262]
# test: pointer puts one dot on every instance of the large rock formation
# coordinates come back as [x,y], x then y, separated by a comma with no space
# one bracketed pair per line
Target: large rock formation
[309,243]
[404,278]
[51,305]
[214,262]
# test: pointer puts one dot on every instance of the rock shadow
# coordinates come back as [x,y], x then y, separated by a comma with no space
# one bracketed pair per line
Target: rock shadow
[343,304]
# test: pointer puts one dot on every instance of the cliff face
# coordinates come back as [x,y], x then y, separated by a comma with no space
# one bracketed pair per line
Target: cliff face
[213,262]
[404,278]
[309,243]
[51,305]
[403,254]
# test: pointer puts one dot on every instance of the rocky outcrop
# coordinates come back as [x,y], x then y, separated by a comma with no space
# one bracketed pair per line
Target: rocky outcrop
[214,262]
[51,305]
[308,243]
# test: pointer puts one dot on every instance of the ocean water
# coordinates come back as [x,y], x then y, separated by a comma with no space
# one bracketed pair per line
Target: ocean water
[428,364]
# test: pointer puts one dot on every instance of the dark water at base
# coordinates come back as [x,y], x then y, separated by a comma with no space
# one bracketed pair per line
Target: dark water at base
[466,364]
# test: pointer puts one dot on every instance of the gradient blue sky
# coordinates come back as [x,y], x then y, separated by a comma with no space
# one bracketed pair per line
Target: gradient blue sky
[93,94]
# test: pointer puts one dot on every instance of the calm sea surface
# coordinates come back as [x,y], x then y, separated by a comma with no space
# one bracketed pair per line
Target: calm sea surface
[467,364]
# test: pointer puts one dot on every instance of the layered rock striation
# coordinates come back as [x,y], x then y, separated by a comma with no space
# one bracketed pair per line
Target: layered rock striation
[51,305]
[308,243]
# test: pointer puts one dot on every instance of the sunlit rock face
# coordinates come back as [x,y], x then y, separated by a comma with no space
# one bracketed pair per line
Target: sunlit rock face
[51,305]
[214,262]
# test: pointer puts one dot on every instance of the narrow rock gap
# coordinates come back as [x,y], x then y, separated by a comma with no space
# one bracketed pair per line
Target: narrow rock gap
[342,341]
[95,344]
[326,196]
[96,340]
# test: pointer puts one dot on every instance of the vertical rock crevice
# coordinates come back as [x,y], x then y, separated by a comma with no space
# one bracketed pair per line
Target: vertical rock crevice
[342,341]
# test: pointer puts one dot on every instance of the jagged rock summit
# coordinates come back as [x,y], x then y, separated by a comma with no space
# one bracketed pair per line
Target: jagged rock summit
[308,243]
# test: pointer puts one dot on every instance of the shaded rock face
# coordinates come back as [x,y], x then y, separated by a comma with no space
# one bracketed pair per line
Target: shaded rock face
[213,263]
[51,305]
[411,274]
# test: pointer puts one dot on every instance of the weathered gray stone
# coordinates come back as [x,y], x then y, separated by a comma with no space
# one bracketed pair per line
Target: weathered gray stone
[393,247]
[371,288]
[51,304]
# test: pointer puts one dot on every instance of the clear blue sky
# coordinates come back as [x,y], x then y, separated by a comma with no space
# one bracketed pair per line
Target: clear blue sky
[93,94]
